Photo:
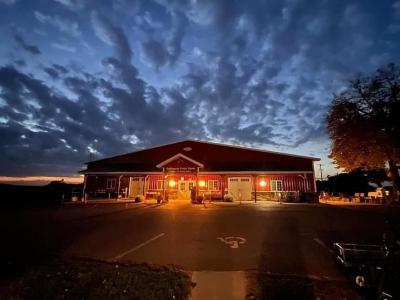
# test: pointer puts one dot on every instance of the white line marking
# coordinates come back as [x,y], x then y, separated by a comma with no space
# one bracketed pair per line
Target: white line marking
[322,244]
[138,246]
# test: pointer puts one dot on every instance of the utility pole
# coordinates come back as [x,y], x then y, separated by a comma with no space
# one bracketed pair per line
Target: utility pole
[320,170]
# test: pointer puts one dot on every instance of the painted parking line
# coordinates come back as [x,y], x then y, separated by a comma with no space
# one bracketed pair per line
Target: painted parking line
[138,246]
[322,244]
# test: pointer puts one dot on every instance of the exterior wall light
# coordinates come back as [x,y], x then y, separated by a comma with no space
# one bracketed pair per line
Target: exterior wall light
[172,183]
[262,183]
[202,183]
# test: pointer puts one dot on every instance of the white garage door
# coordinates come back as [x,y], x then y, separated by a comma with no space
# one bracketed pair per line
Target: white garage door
[240,188]
[136,186]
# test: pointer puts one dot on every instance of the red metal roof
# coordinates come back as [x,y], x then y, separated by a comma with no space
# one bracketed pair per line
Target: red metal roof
[214,157]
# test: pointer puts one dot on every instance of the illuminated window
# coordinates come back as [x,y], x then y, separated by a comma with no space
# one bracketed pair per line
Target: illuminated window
[213,185]
[276,185]
[159,184]
[111,183]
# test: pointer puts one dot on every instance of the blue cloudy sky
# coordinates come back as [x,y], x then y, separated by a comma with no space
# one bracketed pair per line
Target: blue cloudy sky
[107,77]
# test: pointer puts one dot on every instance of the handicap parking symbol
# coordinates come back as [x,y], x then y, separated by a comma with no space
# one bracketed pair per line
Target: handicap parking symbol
[232,241]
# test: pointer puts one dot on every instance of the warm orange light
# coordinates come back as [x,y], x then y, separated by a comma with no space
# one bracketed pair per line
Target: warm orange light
[202,183]
[262,183]
[172,183]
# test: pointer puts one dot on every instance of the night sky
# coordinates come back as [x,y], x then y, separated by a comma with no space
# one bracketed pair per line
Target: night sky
[82,79]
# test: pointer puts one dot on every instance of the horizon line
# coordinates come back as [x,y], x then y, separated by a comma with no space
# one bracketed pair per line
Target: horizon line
[39,179]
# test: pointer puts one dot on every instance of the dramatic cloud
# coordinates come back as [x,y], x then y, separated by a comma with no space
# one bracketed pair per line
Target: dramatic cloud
[8,2]
[176,36]
[72,4]
[113,35]
[64,25]
[114,77]
[55,71]
[64,47]
[155,52]
[29,48]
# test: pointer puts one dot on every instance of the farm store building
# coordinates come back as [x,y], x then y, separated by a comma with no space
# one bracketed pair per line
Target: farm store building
[215,170]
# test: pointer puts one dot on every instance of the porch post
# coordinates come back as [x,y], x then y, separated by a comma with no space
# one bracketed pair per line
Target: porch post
[197,184]
[84,188]
[119,185]
[223,186]
[144,186]
[306,182]
[255,188]
[163,171]
[314,181]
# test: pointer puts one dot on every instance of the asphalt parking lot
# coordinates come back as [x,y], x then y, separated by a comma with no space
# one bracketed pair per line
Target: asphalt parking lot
[277,238]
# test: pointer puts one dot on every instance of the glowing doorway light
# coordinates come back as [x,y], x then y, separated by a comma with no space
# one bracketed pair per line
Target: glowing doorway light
[202,183]
[172,183]
[262,183]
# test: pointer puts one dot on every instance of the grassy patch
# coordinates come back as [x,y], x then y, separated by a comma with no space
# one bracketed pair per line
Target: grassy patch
[89,279]
[276,286]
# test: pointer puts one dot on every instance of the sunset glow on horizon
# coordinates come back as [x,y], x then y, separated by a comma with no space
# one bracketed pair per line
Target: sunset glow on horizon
[37,179]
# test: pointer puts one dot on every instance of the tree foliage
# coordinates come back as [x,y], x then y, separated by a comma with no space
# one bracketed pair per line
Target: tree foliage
[357,181]
[364,122]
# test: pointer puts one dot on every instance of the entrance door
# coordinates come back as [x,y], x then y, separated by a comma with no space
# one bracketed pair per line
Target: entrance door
[184,188]
[136,186]
[240,188]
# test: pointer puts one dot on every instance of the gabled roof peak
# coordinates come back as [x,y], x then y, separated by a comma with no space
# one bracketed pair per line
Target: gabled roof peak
[176,156]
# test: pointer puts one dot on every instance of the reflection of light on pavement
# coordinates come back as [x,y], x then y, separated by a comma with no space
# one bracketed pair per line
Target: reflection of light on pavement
[232,241]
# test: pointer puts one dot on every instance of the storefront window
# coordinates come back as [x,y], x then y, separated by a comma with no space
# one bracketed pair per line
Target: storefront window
[111,182]
[276,185]
[213,185]
[159,184]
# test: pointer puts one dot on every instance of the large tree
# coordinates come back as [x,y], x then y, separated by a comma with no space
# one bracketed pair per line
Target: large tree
[364,123]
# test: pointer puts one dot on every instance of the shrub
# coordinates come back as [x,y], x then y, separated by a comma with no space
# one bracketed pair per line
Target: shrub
[199,199]
[290,197]
[228,198]
[139,198]
[310,197]
[90,279]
